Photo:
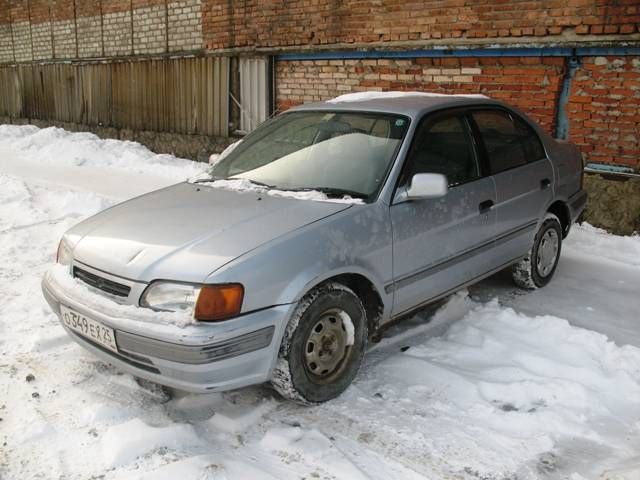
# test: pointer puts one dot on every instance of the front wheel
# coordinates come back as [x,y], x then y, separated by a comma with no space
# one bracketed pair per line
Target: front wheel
[323,345]
[536,269]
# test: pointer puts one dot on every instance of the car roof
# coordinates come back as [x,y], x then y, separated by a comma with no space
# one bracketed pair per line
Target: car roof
[412,104]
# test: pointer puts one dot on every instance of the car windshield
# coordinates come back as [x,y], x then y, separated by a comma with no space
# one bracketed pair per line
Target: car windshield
[338,153]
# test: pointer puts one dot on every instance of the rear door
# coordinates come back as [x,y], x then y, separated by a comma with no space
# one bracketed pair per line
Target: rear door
[441,243]
[522,173]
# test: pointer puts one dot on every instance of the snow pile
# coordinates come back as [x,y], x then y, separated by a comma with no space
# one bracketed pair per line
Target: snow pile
[244,185]
[364,96]
[63,148]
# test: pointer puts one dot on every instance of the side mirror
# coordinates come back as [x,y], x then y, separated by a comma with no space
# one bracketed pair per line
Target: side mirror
[424,185]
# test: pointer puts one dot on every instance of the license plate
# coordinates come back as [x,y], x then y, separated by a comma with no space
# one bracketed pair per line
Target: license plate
[89,328]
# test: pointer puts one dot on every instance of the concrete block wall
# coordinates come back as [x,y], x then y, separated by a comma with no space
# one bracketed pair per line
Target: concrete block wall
[68,29]
[6,44]
[150,29]
[22,48]
[185,25]
[117,33]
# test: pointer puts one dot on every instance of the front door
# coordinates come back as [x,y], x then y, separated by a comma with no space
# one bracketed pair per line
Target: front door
[439,244]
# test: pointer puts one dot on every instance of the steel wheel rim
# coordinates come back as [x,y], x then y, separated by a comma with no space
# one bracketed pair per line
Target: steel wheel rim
[547,252]
[326,350]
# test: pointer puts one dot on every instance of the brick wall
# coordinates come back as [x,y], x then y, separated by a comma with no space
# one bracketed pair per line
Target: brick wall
[604,110]
[264,23]
[530,83]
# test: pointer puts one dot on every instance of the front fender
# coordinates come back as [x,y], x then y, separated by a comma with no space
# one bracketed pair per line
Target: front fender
[357,240]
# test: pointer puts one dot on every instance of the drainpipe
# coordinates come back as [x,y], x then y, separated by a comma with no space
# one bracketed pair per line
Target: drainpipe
[562,119]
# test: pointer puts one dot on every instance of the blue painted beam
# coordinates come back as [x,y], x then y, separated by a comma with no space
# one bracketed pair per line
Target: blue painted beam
[461,52]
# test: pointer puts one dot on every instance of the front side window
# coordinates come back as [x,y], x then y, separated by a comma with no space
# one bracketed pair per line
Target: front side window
[444,146]
[334,152]
[509,142]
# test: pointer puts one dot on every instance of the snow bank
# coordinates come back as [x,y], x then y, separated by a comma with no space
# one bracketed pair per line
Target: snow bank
[60,147]
[363,96]
[244,185]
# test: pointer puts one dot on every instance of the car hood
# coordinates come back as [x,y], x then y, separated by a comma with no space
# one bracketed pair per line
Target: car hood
[187,231]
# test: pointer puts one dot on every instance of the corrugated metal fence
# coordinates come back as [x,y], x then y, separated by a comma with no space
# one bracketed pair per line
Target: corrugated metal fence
[179,95]
[254,92]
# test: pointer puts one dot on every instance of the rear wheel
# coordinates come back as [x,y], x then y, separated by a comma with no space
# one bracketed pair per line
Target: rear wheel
[537,268]
[323,345]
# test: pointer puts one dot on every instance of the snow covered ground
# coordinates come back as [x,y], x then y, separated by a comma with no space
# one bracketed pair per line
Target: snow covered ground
[494,383]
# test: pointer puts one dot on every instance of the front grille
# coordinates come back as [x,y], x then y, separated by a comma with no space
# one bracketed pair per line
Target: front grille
[101,283]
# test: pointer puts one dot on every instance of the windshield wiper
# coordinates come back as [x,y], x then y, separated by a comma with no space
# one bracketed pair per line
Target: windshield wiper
[332,192]
[255,182]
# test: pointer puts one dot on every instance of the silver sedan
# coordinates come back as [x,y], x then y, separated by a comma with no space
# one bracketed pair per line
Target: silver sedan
[321,227]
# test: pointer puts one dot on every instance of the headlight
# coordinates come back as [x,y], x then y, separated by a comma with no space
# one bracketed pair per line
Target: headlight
[206,302]
[172,297]
[63,257]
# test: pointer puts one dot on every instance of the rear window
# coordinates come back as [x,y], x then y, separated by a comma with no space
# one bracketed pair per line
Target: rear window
[509,141]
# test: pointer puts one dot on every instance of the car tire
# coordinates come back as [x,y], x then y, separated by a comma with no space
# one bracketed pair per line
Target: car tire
[536,269]
[323,346]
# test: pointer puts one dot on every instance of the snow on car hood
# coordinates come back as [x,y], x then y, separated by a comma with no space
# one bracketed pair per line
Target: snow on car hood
[187,231]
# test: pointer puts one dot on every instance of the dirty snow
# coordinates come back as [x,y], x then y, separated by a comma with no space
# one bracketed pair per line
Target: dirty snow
[496,383]
[363,96]
[245,185]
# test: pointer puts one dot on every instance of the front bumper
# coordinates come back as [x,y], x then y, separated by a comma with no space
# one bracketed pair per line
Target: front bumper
[197,358]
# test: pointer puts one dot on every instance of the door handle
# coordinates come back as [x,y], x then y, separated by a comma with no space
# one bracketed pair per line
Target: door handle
[545,183]
[485,206]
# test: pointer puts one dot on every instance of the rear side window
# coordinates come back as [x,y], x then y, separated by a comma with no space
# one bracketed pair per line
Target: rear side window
[509,141]
[444,146]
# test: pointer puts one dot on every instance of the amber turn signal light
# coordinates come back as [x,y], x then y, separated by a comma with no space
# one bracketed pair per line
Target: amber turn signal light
[219,302]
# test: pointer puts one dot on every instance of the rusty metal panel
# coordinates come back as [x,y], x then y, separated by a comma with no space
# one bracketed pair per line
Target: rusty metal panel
[254,92]
[181,95]
[11,97]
